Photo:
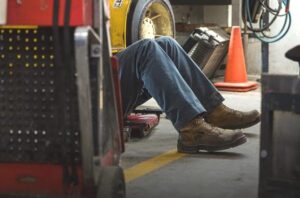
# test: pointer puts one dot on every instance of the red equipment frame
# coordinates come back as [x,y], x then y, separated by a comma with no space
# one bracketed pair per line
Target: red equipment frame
[47,179]
[39,13]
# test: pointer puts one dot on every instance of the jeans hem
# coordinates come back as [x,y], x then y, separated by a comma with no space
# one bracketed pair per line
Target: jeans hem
[214,100]
[186,117]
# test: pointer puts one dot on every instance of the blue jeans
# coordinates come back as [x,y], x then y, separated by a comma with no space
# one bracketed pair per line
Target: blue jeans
[161,69]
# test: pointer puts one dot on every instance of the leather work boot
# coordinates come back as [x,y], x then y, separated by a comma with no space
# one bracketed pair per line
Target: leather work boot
[227,118]
[200,135]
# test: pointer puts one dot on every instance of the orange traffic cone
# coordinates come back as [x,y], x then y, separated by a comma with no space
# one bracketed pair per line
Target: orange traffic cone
[235,74]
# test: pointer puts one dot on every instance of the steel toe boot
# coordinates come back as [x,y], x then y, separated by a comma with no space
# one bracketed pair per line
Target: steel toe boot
[199,135]
[227,118]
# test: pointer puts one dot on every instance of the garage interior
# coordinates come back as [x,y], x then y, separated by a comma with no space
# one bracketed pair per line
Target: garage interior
[63,132]
[230,173]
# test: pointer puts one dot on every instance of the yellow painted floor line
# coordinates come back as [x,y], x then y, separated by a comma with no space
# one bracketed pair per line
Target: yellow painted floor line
[152,164]
[18,27]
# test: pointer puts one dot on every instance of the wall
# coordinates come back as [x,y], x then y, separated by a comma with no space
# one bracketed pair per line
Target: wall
[278,62]
[218,14]
[221,15]
[192,14]
[199,14]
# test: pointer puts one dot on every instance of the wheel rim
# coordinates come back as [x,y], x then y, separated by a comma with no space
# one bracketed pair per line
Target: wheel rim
[147,28]
[156,22]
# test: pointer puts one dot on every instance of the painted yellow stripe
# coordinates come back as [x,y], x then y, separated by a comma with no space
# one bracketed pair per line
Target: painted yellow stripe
[152,164]
[18,27]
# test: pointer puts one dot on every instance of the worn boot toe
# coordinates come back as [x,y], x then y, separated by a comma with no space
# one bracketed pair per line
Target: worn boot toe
[227,118]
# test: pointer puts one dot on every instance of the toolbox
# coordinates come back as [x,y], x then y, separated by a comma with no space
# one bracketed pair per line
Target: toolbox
[59,128]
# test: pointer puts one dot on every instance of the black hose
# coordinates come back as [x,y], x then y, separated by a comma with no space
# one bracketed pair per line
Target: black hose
[281,30]
[269,24]
[280,35]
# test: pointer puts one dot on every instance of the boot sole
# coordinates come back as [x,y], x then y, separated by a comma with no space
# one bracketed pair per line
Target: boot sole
[196,149]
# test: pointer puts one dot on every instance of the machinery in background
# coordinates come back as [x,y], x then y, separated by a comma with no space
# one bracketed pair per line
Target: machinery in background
[280,138]
[259,16]
[208,47]
[60,126]
[255,10]
[135,19]
[279,172]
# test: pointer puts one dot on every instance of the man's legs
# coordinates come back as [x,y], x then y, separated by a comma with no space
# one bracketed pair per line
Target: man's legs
[218,114]
[180,88]
[189,70]
[206,93]
[146,65]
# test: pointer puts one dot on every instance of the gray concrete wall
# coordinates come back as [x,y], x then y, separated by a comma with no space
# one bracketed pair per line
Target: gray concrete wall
[220,15]
[189,13]
[192,14]
[199,14]
[253,57]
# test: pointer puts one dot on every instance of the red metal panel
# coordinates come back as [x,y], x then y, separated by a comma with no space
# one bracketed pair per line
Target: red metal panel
[33,179]
[150,120]
[39,12]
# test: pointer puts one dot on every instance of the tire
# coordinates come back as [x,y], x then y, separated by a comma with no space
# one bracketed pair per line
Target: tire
[149,17]
[111,183]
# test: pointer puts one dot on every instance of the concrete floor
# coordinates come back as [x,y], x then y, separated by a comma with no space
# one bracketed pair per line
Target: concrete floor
[228,174]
